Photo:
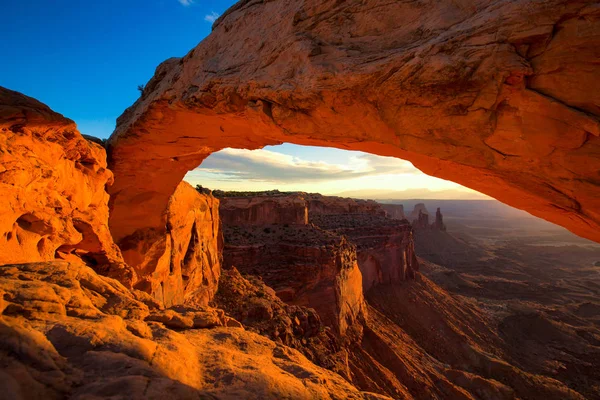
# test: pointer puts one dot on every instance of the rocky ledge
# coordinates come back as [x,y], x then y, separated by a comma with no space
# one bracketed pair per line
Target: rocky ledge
[69,332]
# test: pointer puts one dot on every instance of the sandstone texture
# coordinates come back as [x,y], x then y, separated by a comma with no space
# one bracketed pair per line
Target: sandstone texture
[54,203]
[67,332]
[499,96]
[182,262]
[56,207]
[299,327]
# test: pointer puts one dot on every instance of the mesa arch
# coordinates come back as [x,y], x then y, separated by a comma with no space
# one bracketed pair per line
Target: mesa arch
[499,96]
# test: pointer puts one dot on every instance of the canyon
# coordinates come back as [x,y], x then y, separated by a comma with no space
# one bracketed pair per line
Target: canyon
[396,301]
[168,310]
[118,280]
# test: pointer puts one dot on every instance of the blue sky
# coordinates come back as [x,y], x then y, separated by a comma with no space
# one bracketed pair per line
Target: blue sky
[85,60]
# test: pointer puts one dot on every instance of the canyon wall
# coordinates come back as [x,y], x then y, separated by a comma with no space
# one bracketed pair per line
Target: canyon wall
[56,206]
[70,331]
[385,247]
[314,264]
[499,96]
[256,210]
[327,205]
[306,266]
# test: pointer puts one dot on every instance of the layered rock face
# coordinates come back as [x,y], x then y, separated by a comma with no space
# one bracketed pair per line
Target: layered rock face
[181,264]
[481,93]
[54,203]
[261,210]
[263,312]
[305,265]
[334,205]
[385,247]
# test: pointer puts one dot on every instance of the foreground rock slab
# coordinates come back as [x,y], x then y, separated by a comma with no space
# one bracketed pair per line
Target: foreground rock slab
[66,331]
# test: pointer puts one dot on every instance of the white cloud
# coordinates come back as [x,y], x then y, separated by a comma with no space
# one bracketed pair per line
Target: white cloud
[212,17]
[269,166]
[356,173]
[186,3]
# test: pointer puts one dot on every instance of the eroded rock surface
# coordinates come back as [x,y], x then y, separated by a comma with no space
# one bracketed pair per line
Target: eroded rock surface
[180,263]
[263,312]
[52,180]
[305,265]
[67,332]
[499,96]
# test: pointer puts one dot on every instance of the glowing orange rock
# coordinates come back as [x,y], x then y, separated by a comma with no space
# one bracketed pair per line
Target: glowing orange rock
[52,181]
[501,97]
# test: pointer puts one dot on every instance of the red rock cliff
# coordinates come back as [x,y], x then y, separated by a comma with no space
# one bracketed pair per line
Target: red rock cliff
[183,263]
[319,204]
[260,210]
[54,203]
[66,331]
[305,266]
[500,96]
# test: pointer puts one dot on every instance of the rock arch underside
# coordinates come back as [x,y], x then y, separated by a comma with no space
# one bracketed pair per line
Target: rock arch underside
[500,96]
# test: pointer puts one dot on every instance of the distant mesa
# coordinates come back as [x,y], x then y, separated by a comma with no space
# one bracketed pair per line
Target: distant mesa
[394,211]
[419,208]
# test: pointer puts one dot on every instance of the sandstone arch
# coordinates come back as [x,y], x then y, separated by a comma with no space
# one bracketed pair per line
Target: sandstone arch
[500,96]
